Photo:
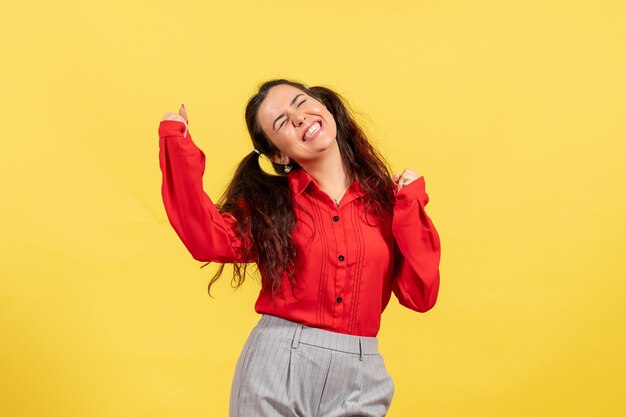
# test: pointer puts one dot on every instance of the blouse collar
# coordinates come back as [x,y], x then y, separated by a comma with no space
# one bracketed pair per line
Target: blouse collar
[300,180]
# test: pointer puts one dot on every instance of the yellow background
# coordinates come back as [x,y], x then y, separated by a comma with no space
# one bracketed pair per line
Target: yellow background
[512,111]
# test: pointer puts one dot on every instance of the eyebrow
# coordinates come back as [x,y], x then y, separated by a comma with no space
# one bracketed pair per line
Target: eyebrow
[283,113]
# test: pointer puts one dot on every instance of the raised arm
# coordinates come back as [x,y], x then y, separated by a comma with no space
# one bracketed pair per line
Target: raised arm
[418,251]
[207,234]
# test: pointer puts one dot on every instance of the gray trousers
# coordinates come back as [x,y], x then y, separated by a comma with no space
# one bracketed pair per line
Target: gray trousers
[289,370]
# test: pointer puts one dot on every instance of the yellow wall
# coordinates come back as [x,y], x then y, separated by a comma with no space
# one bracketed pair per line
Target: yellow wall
[512,111]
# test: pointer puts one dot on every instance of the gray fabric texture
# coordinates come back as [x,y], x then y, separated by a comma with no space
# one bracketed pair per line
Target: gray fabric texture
[289,370]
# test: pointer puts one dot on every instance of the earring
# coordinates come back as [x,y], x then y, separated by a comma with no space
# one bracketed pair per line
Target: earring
[287,169]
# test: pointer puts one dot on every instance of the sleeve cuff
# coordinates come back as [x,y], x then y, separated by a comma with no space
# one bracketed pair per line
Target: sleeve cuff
[171,128]
[413,191]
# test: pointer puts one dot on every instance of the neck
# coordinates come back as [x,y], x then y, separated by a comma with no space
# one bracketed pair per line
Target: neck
[329,172]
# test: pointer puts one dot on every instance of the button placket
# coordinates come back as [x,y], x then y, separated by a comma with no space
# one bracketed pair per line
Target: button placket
[340,235]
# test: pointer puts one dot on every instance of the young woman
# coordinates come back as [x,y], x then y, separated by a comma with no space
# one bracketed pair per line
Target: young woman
[332,234]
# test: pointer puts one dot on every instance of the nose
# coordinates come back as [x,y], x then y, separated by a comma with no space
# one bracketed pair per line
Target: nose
[298,118]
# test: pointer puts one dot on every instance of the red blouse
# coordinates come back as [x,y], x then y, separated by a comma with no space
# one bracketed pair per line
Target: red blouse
[347,262]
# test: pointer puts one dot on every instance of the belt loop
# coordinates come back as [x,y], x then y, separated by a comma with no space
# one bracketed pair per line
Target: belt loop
[296,337]
[360,349]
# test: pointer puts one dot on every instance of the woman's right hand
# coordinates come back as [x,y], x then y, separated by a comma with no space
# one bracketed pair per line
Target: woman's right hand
[181,117]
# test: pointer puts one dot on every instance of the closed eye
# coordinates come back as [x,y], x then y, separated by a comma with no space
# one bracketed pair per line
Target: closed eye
[285,121]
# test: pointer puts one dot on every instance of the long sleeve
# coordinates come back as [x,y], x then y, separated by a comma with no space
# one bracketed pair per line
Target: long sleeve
[416,279]
[208,234]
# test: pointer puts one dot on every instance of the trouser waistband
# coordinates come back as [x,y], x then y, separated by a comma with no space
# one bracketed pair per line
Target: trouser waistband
[361,345]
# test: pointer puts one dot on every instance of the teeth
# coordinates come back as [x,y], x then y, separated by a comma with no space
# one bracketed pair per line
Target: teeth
[312,130]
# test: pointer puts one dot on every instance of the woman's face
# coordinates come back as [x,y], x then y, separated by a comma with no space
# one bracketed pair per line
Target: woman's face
[301,127]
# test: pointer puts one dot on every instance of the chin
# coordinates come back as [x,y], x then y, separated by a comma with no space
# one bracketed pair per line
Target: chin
[323,142]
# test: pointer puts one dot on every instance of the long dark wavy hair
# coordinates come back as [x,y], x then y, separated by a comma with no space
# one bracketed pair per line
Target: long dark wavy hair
[261,203]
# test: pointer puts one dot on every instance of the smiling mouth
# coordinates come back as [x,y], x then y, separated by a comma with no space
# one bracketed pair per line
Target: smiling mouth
[312,131]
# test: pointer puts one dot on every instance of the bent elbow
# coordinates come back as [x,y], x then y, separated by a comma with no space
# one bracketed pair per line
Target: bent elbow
[212,256]
[420,306]
[428,305]
[420,299]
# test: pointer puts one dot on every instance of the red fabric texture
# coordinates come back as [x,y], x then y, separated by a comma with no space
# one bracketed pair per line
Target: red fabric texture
[348,263]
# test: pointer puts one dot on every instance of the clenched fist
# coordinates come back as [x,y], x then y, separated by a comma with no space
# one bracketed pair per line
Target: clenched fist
[404,179]
[181,117]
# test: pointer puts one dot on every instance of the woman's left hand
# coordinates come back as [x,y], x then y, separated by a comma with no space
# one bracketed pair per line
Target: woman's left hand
[404,179]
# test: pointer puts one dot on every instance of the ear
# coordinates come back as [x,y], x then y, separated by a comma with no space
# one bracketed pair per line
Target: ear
[281,159]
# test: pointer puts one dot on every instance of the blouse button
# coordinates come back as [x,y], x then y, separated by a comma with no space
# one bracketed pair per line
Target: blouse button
[341,257]
[339,299]
[335,218]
